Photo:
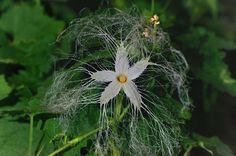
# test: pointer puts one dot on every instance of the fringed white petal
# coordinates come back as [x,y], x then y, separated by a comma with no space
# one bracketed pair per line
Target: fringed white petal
[110,92]
[122,62]
[131,91]
[104,76]
[137,69]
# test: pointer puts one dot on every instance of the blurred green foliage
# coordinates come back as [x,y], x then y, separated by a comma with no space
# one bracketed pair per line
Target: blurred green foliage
[212,145]
[5,88]
[28,31]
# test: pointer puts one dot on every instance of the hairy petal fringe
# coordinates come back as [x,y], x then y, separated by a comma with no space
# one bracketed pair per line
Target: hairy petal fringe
[150,129]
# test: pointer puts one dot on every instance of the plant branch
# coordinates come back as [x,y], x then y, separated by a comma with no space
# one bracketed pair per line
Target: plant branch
[31,134]
[74,141]
[153,6]
[78,139]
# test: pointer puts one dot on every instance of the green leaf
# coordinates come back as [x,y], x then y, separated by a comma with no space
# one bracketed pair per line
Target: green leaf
[10,55]
[85,120]
[33,36]
[51,129]
[32,103]
[5,89]
[213,69]
[76,151]
[213,6]
[27,35]
[211,144]
[216,144]
[14,138]
[28,102]
[27,23]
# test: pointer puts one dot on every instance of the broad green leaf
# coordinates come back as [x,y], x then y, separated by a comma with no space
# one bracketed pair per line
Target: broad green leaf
[30,102]
[52,128]
[14,138]
[51,131]
[85,120]
[33,34]
[5,89]
[10,55]
[76,151]
[27,23]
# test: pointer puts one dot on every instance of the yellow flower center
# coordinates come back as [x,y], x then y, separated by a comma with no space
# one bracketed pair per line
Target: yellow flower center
[122,78]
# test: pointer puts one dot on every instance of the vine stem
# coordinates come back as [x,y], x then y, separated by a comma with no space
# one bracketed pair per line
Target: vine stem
[31,134]
[76,140]
[153,6]
[116,119]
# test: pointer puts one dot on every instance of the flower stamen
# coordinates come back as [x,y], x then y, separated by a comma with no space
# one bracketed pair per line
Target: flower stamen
[122,78]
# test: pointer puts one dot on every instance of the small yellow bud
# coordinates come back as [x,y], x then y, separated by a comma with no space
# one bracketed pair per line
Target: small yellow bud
[155,20]
[146,32]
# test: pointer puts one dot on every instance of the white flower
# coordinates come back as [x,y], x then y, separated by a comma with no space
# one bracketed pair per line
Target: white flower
[122,78]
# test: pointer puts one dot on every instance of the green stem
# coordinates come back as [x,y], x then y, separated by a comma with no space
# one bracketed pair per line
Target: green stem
[31,134]
[123,113]
[118,106]
[187,152]
[76,140]
[153,7]
[73,142]
[116,119]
